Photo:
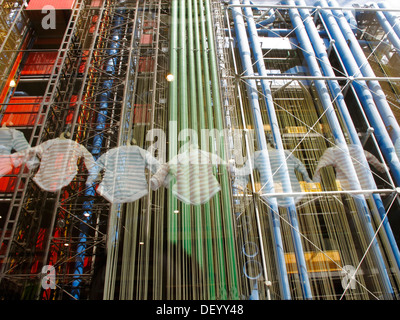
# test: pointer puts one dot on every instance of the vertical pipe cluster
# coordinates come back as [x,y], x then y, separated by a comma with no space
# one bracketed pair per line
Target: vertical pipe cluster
[244,49]
[391,26]
[363,91]
[393,19]
[373,100]
[336,92]
[267,180]
[387,27]
[205,232]
[306,45]
[366,70]
[226,212]
[251,88]
[105,97]
[173,113]
[203,67]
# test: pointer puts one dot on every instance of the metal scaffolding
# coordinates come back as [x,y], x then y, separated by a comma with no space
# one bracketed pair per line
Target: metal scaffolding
[278,82]
[94,93]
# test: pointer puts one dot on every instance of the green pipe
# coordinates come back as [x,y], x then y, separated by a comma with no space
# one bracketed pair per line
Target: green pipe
[194,126]
[192,71]
[233,273]
[232,267]
[200,62]
[203,145]
[173,133]
[210,62]
[220,275]
[184,120]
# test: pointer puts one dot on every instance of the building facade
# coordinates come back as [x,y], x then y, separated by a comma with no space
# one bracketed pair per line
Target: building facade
[199,150]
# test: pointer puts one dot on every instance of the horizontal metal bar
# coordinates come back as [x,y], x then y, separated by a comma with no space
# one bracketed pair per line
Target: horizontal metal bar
[275,6]
[315,193]
[295,77]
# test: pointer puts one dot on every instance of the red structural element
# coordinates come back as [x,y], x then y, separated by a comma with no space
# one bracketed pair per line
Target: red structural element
[9,182]
[148,31]
[39,63]
[22,111]
[142,114]
[57,4]
[146,64]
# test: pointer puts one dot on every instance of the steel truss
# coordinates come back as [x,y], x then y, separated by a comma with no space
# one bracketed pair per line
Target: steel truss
[144,113]
[95,105]
[285,84]
[14,31]
[108,86]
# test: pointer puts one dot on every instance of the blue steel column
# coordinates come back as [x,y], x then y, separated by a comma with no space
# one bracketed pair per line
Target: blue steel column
[245,54]
[366,70]
[97,143]
[251,86]
[336,91]
[394,20]
[361,88]
[258,56]
[364,94]
[387,27]
[323,93]
[309,55]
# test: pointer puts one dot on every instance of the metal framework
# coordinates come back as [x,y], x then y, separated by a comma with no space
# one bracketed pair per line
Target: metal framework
[100,103]
[301,78]
[282,24]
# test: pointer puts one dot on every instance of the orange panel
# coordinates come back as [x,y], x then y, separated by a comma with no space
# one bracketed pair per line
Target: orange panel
[22,111]
[316,261]
[39,63]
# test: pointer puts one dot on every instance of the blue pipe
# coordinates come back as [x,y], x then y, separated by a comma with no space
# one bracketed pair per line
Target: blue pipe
[394,20]
[360,86]
[264,32]
[336,91]
[308,52]
[366,70]
[97,144]
[275,33]
[271,18]
[244,50]
[320,86]
[351,20]
[386,26]
[258,57]
[323,93]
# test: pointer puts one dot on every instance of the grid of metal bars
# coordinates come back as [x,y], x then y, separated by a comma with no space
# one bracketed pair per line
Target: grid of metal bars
[55,227]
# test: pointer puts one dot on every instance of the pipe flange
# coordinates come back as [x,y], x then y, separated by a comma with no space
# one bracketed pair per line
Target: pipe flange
[268,283]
